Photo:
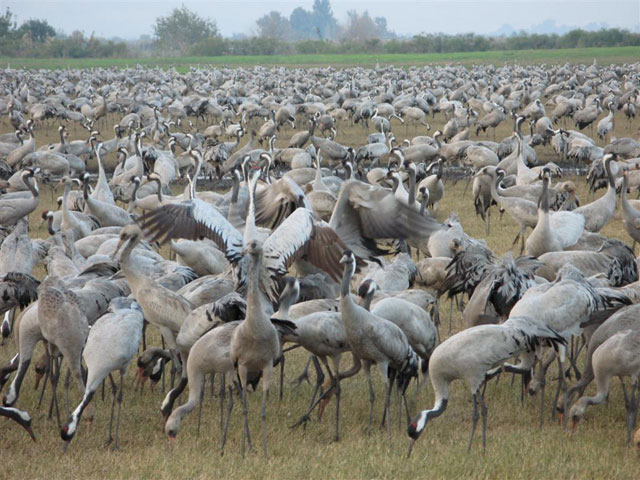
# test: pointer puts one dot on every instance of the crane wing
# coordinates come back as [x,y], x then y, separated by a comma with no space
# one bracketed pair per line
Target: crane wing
[277,201]
[301,236]
[365,212]
[193,220]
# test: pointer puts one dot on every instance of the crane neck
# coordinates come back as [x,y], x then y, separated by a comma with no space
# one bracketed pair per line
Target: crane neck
[28,181]
[134,195]
[349,270]
[420,422]
[626,206]
[412,184]
[100,166]
[50,224]
[423,204]
[195,176]
[287,299]
[65,198]
[396,183]
[436,138]
[85,189]
[366,301]
[495,194]
[159,192]
[250,231]
[607,166]
[544,198]
[235,189]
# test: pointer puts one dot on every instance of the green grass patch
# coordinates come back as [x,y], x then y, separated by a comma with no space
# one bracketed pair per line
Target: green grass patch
[571,55]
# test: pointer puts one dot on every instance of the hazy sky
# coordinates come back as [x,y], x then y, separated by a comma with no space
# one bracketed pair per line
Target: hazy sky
[131,19]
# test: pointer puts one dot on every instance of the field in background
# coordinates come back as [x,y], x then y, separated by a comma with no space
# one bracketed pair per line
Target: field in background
[516,447]
[604,56]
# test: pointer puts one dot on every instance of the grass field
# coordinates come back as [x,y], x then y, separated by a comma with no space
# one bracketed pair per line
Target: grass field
[516,447]
[604,56]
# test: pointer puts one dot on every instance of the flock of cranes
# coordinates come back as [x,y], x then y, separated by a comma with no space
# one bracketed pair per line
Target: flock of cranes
[316,244]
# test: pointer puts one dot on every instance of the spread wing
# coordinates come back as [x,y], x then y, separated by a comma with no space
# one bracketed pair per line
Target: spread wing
[194,220]
[365,213]
[277,201]
[301,236]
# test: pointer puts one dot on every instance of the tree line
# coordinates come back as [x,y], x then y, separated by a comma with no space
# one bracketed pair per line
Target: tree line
[185,33]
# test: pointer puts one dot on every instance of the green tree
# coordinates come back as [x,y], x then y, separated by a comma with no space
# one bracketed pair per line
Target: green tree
[9,41]
[38,30]
[360,27]
[323,20]
[7,24]
[301,23]
[274,25]
[182,28]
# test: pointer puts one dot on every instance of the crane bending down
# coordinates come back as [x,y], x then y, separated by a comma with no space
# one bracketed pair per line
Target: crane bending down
[21,417]
[470,355]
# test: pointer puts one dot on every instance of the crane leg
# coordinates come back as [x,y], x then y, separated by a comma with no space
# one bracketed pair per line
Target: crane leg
[163,369]
[372,398]
[281,393]
[221,395]
[543,383]
[67,383]
[54,386]
[336,436]
[226,425]
[399,403]
[487,222]
[450,315]
[319,381]
[335,382]
[561,387]
[474,419]
[574,357]
[406,407]
[387,406]
[466,187]
[114,390]
[119,399]
[305,373]
[483,412]
[204,381]
[266,381]
[246,434]
[46,378]
[632,409]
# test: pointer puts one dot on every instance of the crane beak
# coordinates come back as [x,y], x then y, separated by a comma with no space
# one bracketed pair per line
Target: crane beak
[574,426]
[30,432]
[412,441]
[114,255]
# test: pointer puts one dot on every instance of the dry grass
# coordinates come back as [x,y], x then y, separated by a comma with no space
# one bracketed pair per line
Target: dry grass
[516,447]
